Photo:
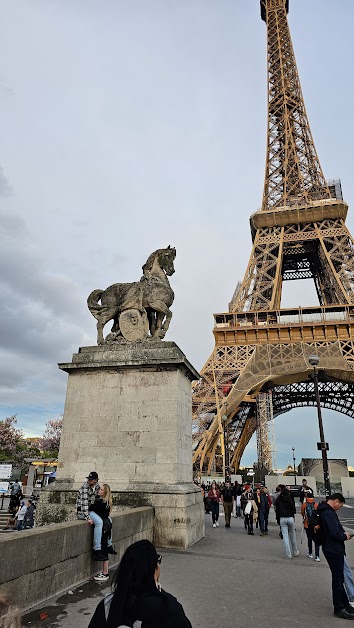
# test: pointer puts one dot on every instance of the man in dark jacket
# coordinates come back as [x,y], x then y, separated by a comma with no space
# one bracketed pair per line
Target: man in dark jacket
[334,551]
[227,496]
[305,491]
[263,510]
[28,521]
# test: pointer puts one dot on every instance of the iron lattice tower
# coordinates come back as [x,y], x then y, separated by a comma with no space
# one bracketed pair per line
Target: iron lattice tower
[298,233]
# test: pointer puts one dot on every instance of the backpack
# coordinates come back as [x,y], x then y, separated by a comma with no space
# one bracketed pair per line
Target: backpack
[316,531]
[309,510]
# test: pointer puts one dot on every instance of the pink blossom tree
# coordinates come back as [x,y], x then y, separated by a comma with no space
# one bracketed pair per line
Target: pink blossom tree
[13,447]
[51,437]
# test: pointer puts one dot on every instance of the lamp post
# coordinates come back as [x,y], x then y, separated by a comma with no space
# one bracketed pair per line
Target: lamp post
[226,444]
[322,445]
[293,448]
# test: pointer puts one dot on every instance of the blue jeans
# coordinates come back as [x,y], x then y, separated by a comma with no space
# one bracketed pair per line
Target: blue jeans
[97,530]
[348,581]
[287,526]
[214,511]
[263,520]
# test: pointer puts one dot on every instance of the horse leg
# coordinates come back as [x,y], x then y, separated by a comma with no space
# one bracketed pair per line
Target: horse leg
[152,322]
[161,310]
[100,339]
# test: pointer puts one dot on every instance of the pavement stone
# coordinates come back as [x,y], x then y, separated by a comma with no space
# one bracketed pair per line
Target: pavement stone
[227,578]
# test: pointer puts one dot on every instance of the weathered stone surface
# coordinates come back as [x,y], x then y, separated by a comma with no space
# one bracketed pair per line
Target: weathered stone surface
[52,557]
[178,508]
[128,416]
[139,308]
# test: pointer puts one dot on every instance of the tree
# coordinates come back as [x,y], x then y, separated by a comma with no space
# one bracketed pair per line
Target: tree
[51,437]
[13,447]
[10,440]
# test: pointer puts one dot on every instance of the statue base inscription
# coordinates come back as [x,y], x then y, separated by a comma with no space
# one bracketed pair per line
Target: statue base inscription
[128,416]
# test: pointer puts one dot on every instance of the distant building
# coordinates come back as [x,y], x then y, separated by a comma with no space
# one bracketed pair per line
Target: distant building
[40,472]
[337,468]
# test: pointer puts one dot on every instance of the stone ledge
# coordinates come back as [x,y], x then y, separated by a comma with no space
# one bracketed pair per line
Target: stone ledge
[147,355]
[52,558]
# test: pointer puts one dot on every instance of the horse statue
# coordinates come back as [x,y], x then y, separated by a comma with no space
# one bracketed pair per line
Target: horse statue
[139,310]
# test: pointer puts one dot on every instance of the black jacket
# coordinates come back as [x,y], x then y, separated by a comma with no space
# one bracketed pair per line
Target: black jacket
[334,533]
[100,507]
[160,610]
[284,507]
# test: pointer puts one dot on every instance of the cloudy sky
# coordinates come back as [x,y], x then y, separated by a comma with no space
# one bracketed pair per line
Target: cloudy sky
[128,125]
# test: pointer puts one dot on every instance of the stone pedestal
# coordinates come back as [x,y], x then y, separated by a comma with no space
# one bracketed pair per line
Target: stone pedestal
[128,416]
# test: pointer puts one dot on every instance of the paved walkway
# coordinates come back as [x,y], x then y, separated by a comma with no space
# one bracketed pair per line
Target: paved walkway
[227,579]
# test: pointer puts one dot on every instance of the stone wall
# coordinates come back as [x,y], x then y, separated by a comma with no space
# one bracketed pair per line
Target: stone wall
[40,563]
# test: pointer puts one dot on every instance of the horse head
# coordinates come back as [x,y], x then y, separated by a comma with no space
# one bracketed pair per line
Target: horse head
[165,259]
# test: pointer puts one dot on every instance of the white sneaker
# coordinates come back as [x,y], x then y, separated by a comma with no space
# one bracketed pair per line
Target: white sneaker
[217,524]
[310,555]
[296,554]
[214,525]
[317,559]
[102,577]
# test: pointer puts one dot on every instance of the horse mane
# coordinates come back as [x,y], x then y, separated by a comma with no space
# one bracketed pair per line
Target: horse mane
[150,260]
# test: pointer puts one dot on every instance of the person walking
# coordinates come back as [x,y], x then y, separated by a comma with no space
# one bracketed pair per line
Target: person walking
[86,496]
[285,515]
[263,510]
[214,499]
[305,491]
[307,509]
[227,497]
[138,599]
[251,514]
[102,506]
[334,537]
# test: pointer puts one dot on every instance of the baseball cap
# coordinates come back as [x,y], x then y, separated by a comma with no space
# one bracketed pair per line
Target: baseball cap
[92,476]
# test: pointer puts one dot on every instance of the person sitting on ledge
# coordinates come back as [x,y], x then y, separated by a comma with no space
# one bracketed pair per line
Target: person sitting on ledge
[86,496]
[138,600]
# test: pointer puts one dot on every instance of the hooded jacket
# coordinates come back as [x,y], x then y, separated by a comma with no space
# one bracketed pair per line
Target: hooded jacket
[160,610]
[333,530]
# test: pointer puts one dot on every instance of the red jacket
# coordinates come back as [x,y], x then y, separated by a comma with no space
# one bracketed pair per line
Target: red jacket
[212,497]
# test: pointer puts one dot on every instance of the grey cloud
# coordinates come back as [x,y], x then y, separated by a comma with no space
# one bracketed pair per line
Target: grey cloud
[5,188]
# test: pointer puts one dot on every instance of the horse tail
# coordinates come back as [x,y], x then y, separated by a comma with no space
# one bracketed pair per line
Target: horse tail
[93,299]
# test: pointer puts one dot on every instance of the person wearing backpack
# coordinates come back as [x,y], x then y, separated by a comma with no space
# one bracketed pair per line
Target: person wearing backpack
[333,539]
[138,601]
[308,509]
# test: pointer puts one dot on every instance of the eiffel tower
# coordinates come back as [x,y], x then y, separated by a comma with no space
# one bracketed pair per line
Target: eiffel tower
[298,233]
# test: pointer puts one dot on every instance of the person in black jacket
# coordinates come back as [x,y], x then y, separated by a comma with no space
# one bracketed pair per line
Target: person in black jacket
[334,551]
[285,514]
[138,600]
[102,506]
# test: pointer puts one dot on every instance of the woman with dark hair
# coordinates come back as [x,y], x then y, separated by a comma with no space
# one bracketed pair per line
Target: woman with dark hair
[285,514]
[138,600]
[214,498]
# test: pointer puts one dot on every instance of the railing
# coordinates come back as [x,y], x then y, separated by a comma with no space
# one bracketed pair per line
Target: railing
[298,316]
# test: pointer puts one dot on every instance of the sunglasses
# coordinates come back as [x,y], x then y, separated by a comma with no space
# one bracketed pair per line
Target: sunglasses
[159,559]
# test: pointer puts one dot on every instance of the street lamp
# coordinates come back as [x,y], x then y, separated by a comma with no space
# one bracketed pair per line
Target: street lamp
[322,445]
[226,444]
[293,448]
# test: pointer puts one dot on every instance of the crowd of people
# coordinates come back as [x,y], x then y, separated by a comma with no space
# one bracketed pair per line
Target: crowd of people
[137,595]
[322,530]
[21,513]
